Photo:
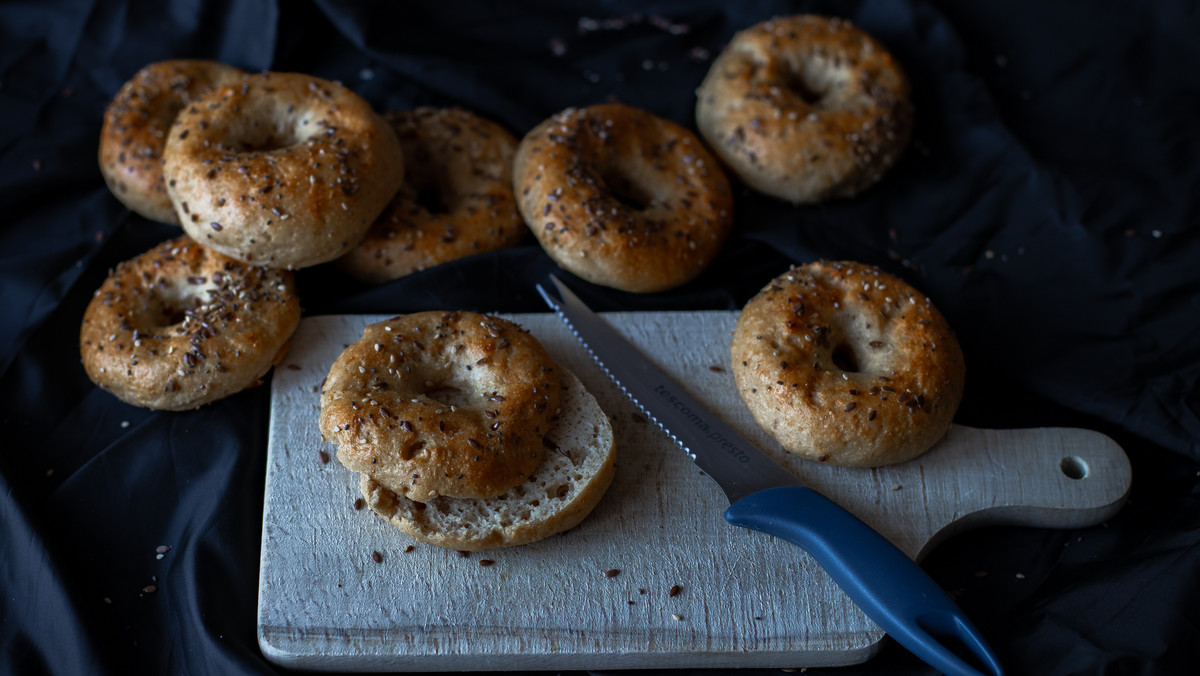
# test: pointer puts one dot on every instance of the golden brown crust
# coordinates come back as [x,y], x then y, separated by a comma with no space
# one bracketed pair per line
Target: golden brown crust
[846,364]
[622,198]
[181,326]
[442,403]
[456,200]
[805,108]
[284,170]
[136,124]
[566,487]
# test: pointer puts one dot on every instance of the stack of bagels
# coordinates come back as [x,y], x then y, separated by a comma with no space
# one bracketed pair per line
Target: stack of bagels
[466,435]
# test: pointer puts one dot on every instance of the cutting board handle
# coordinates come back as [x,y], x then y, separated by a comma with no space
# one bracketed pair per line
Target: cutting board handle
[1052,477]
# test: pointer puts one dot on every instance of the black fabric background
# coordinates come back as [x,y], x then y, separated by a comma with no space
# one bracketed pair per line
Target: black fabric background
[1048,204]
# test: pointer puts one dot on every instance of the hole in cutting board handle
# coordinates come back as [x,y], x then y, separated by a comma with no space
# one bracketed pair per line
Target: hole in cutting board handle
[1074,467]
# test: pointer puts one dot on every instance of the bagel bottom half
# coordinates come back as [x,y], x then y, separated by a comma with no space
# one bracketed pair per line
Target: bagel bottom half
[566,486]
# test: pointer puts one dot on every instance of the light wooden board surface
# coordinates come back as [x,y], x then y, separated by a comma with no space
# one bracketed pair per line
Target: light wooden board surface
[747,599]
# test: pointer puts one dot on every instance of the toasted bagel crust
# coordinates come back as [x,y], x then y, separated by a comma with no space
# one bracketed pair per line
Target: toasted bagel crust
[846,364]
[465,163]
[564,489]
[442,403]
[283,170]
[623,198]
[181,326]
[135,129]
[805,108]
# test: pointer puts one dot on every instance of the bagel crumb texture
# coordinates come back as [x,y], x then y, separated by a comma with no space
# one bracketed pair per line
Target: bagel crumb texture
[453,404]
[846,364]
[805,108]
[181,326]
[623,198]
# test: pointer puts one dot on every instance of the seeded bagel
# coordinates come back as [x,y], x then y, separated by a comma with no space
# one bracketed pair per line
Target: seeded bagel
[623,198]
[135,129]
[283,170]
[456,199]
[442,403]
[578,469]
[805,108]
[181,326]
[846,364]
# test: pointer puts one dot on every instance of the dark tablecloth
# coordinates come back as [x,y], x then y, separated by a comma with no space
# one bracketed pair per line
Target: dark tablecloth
[1049,204]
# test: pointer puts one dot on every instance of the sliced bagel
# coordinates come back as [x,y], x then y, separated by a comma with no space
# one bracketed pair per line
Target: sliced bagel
[564,489]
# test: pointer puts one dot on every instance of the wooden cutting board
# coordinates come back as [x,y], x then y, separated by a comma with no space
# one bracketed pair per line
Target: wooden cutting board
[745,600]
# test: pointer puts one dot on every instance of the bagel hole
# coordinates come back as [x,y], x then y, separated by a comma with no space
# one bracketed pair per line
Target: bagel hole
[168,315]
[845,358]
[431,199]
[806,88]
[449,396]
[170,309]
[625,189]
[264,140]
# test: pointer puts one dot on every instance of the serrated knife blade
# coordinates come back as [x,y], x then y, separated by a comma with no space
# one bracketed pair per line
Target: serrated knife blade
[888,586]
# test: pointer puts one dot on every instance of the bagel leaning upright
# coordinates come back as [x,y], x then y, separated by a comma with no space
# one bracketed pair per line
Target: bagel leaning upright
[135,129]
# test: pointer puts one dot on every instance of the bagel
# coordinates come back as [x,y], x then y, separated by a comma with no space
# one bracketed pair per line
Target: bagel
[456,200]
[181,326]
[442,403]
[805,108]
[622,198]
[846,364]
[284,170]
[564,489]
[135,129]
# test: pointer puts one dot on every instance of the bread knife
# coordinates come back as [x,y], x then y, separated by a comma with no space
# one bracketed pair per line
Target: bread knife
[887,585]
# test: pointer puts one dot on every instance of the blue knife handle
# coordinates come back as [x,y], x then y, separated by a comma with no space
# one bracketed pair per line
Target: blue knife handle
[889,587]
